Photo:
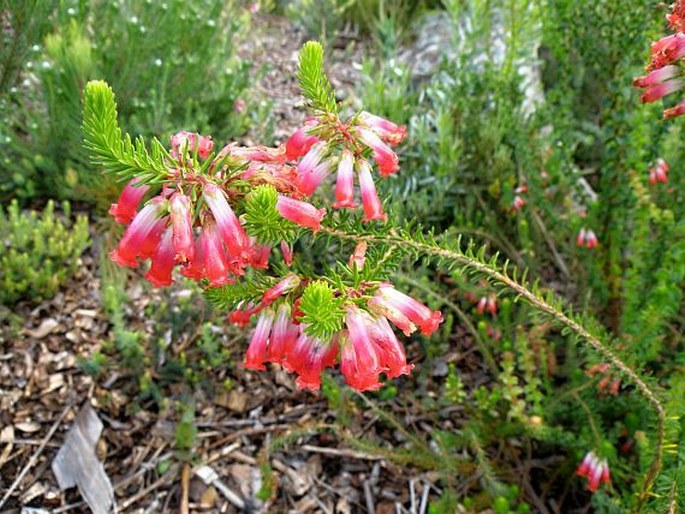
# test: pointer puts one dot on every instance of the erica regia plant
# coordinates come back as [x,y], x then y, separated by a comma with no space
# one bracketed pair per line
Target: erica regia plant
[296,239]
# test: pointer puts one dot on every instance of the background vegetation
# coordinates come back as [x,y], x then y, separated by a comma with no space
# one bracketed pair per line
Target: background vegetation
[526,99]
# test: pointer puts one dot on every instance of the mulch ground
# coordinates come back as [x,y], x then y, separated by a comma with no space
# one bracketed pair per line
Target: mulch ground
[243,419]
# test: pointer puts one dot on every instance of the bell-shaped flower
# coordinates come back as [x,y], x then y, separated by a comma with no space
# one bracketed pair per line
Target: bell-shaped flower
[595,469]
[182,223]
[301,141]
[283,335]
[312,158]
[308,358]
[389,350]
[284,286]
[344,185]
[228,224]
[387,160]
[358,257]
[400,308]
[142,235]
[373,210]
[299,212]
[308,182]
[216,267]
[163,262]
[257,352]
[386,129]
[359,361]
[125,209]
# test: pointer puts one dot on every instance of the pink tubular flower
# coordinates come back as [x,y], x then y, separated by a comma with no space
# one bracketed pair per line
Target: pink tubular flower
[656,77]
[657,92]
[125,209]
[216,269]
[300,213]
[359,362]
[344,185]
[181,221]
[256,354]
[400,308]
[308,182]
[677,17]
[242,315]
[229,226]
[192,142]
[312,158]
[260,255]
[387,160]
[591,239]
[389,350]
[666,51]
[285,285]
[142,235]
[674,112]
[596,470]
[387,130]
[373,210]
[301,141]
[358,257]
[283,335]
[580,239]
[260,153]
[159,274]
[287,253]
[308,358]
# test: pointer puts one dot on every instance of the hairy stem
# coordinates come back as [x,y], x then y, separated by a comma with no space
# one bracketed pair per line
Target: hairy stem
[461,259]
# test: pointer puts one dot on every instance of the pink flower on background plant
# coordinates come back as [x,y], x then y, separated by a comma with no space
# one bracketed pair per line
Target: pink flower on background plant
[595,469]
[659,172]
[586,238]
[358,257]
[125,209]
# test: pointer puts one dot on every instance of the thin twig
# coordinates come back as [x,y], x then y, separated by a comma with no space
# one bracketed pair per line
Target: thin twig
[35,455]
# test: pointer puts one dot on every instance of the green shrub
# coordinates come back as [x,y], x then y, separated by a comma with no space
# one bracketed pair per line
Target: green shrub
[172,64]
[38,253]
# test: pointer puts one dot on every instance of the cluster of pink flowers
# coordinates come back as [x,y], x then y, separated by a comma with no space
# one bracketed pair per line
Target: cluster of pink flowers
[319,158]
[586,238]
[595,469]
[191,223]
[658,172]
[485,303]
[365,348]
[608,383]
[195,224]
[665,75]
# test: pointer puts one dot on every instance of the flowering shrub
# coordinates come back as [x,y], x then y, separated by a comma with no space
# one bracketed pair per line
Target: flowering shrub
[298,239]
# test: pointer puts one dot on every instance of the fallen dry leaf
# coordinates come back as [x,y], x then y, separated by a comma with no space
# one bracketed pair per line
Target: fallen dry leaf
[77,465]
[47,326]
